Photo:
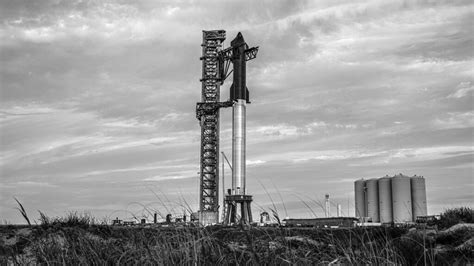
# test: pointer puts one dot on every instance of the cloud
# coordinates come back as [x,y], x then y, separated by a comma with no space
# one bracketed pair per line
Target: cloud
[255,162]
[462,90]
[173,176]
[98,97]
[164,165]
[455,120]
[34,184]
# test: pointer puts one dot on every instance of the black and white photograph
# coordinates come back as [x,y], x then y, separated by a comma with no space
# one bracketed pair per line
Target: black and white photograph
[236,132]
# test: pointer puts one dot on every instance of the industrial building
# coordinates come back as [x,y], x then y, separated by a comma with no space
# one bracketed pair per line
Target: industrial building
[334,222]
[397,199]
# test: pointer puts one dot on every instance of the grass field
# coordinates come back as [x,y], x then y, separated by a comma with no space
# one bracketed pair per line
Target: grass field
[79,239]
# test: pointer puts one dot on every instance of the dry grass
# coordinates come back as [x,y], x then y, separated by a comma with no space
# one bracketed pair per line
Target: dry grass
[65,243]
[79,239]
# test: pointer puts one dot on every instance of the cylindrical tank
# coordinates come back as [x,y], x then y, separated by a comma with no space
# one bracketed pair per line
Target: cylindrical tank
[385,199]
[401,199]
[360,203]
[238,147]
[372,196]
[418,196]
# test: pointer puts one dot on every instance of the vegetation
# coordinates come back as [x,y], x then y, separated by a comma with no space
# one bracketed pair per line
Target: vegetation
[22,211]
[454,216]
[73,219]
[80,239]
[100,244]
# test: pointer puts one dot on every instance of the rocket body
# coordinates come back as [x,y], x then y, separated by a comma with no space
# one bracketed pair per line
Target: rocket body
[239,90]
[238,147]
[240,96]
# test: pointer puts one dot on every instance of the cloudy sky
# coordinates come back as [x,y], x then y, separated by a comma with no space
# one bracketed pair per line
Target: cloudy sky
[98,102]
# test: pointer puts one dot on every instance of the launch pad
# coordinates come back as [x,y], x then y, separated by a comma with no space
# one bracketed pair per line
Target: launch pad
[215,69]
[233,203]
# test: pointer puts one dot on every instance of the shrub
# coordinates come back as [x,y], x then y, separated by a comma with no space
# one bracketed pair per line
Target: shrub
[454,216]
[72,219]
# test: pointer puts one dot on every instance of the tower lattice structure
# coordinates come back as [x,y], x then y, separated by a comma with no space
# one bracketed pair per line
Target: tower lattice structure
[207,112]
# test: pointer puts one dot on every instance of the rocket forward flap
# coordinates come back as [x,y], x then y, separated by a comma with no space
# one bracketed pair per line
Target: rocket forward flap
[236,94]
[232,93]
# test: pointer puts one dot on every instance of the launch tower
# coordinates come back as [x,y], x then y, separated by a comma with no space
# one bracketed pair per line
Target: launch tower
[207,112]
[215,68]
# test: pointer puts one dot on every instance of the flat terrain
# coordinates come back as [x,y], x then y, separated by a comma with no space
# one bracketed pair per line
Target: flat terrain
[103,244]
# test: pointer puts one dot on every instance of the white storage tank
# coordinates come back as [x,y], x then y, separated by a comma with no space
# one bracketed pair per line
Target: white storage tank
[385,199]
[360,202]
[418,196]
[401,199]
[372,196]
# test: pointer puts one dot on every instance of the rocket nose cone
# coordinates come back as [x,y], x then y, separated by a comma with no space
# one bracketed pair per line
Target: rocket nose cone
[239,39]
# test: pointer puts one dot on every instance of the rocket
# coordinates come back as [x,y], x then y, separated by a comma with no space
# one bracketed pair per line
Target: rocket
[239,95]
[239,90]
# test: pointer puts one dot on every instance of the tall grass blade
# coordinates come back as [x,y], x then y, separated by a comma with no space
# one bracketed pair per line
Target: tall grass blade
[23,211]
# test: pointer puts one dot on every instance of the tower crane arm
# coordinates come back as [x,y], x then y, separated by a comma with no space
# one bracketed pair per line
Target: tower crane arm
[225,157]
